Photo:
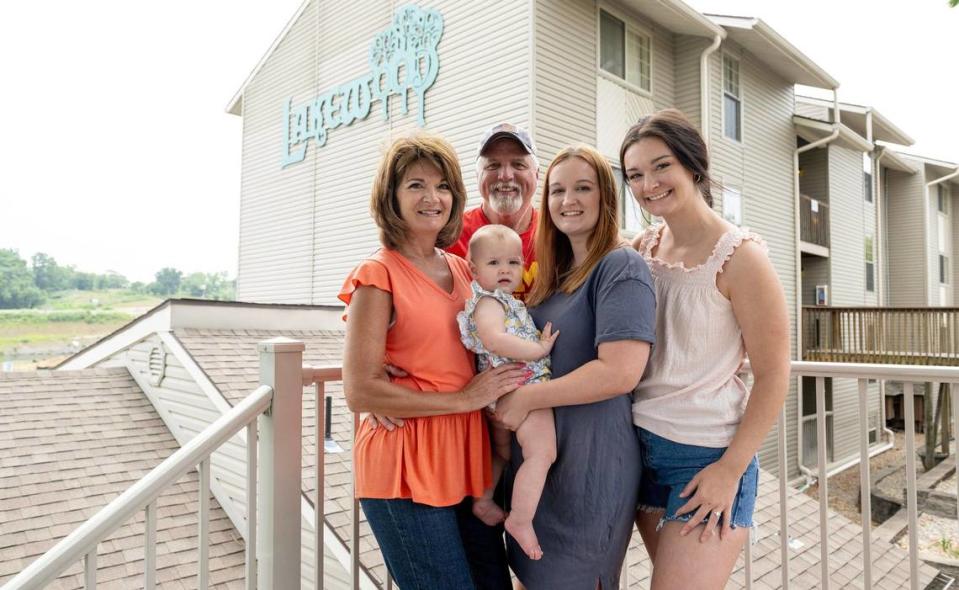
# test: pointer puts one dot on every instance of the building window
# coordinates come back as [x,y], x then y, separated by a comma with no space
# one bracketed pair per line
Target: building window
[870,264]
[809,433]
[732,100]
[624,51]
[943,269]
[941,202]
[732,206]
[632,218]
[867,177]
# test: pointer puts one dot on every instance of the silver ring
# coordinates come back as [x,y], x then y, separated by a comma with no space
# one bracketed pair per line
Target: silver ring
[718,513]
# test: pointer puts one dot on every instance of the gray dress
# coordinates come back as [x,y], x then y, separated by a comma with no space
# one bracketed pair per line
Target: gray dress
[585,516]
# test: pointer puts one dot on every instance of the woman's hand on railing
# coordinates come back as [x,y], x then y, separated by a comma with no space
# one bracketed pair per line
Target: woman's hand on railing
[492,384]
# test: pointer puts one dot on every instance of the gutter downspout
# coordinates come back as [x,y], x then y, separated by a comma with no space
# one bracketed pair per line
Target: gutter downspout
[925,208]
[878,153]
[810,476]
[704,86]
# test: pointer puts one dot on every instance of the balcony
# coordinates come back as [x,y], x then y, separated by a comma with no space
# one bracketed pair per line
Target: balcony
[884,335]
[813,225]
[800,543]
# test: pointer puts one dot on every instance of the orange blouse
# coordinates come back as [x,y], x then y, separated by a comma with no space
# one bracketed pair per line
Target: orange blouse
[435,460]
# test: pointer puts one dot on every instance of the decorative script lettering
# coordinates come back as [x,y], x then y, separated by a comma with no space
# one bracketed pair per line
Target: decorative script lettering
[401,59]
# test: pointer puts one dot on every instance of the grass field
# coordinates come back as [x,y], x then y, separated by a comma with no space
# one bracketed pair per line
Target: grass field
[71,320]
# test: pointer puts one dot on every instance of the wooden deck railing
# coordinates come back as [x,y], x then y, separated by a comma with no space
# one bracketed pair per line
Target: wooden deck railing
[889,335]
[813,221]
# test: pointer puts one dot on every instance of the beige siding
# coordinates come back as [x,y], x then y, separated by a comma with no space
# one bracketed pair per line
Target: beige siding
[305,226]
[814,174]
[276,208]
[761,167]
[483,78]
[812,111]
[565,87]
[848,225]
[815,271]
[954,218]
[686,52]
[905,239]
[619,106]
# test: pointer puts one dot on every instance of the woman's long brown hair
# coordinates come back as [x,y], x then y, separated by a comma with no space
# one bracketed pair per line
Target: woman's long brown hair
[554,252]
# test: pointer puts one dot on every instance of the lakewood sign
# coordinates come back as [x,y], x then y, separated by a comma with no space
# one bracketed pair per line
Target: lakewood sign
[402,58]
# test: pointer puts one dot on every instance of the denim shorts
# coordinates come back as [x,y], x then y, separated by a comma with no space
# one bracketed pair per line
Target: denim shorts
[668,466]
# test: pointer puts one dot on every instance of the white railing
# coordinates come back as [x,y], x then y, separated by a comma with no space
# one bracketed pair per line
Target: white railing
[274,483]
[862,373]
[319,377]
[273,488]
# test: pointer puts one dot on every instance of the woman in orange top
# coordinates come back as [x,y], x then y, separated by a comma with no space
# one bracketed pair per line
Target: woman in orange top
[415,483]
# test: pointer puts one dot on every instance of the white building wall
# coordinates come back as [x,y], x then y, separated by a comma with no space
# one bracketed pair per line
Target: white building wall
[305,226]
[907,267]
[565,84]
[619,105]
[849,226]
[276,208]
[761,168]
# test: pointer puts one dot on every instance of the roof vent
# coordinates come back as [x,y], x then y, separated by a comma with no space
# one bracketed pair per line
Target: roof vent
[156,365]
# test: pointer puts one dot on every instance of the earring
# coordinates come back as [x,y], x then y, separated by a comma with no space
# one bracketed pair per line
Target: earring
[699,178]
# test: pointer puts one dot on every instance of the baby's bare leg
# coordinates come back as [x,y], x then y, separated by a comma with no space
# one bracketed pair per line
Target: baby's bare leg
[484,508]
[537,436]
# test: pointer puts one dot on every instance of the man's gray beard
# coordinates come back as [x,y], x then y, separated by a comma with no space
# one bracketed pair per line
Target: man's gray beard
[506,205]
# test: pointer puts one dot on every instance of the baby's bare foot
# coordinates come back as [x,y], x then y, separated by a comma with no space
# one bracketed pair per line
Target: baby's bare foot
[486,510]
[526,537]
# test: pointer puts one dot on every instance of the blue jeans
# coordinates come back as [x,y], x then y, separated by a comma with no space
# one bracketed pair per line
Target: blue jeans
[668,466]
[435,548]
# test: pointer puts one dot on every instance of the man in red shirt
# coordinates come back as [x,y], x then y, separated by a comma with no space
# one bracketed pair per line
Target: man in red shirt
[507,173]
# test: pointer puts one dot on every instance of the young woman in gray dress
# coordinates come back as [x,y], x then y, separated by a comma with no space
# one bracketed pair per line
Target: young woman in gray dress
[599,295]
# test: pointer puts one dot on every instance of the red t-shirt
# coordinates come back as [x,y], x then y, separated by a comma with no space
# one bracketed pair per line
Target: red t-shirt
[475,219]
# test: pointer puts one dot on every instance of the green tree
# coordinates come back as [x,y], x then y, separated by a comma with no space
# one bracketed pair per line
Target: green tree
[111,280]
[84,281]
[214,285]
[195,284]
[167,282]
[16,282]
[953,3]
[48,275]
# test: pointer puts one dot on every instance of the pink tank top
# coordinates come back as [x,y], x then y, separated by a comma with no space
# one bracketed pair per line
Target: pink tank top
[690,392]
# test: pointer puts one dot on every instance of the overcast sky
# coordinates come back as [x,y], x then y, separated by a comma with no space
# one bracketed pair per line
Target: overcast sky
[116,152]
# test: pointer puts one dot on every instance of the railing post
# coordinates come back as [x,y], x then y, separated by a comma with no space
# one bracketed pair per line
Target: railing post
[280,465]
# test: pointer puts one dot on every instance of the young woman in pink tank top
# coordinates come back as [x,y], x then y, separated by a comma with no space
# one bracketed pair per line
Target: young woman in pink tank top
[718,298]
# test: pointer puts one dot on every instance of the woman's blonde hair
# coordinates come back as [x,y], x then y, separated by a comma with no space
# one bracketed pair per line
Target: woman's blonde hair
[554,253]
[401,155]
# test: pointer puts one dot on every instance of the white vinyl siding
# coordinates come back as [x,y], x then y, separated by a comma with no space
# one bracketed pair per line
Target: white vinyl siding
[815,271]
[276,205]
[686,52]
[565,108]
[618,106]
[849,222]
[305,226]
[762,170]
[905,236]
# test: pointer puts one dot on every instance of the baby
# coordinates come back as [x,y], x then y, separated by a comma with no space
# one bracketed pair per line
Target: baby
[497,327]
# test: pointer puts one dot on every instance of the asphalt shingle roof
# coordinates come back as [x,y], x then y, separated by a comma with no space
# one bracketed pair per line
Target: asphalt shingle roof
[72,441]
